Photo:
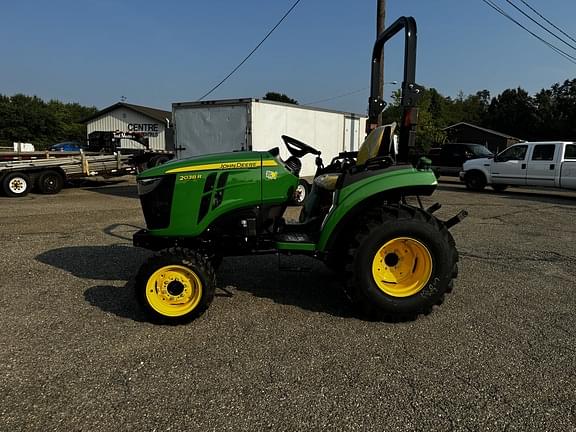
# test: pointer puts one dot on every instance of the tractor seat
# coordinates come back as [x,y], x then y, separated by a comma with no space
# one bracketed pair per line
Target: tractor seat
[378,142]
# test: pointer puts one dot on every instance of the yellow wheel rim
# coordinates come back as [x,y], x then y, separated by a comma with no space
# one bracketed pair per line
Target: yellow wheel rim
[402,267]
[174,290]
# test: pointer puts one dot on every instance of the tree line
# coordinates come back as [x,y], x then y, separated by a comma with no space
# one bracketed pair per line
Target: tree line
[30,119]
[550,114]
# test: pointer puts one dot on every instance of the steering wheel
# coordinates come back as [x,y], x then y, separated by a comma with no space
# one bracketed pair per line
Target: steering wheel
[298,148]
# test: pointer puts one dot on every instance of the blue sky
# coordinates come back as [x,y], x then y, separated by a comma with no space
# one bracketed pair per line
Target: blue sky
[156,53]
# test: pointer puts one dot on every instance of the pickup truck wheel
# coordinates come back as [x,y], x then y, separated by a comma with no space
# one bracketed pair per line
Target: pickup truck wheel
[50,182]
[301,193]
[475,181]
[499,187]
[175,286]
[16,184]
[401,263]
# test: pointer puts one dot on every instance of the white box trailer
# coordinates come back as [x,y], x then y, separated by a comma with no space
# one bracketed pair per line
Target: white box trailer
[256,124]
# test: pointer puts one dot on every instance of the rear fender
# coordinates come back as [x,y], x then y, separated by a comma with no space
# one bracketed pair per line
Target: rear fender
[353,200]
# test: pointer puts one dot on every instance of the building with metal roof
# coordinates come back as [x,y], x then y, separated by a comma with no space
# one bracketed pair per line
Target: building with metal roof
[468,133]
[124,117]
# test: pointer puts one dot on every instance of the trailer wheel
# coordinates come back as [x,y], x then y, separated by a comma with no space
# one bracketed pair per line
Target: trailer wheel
[50,182]
[301,193]
[157,161]
[175,286]
[402,262]
[16,184]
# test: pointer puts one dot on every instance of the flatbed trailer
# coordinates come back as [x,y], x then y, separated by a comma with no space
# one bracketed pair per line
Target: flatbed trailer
[47,171]
[47,175]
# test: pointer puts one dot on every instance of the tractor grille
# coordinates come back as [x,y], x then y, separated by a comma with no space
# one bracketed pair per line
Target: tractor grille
[156,199]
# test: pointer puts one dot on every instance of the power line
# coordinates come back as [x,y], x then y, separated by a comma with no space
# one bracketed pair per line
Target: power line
[337,97]
[555,48]
[345,94]
[253,51]
[540,25]
[548,21]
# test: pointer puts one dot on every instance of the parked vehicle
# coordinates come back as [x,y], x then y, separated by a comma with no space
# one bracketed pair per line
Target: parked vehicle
[397,260]
[256,125]
[66,146]
[548,164]
[47,171]
[448,159]
[48,175]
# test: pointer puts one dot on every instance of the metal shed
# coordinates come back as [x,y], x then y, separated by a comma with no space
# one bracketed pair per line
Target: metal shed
[126,117]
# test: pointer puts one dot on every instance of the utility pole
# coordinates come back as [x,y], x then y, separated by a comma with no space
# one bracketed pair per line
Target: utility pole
[380,26]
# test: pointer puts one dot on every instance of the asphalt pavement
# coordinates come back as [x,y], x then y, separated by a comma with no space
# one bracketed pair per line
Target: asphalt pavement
[283,350]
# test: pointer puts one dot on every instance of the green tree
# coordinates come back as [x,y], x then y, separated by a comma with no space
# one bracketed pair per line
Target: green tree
[280,97]
[30,119]
[512,112]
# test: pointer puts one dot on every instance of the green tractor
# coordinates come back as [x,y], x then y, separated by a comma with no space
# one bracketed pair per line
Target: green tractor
[398,259]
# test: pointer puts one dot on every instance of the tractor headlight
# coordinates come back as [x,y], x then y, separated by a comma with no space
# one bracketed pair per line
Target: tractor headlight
[147,185]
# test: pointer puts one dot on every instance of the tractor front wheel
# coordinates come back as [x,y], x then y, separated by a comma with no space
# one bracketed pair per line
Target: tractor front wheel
[401,264]
[175,286]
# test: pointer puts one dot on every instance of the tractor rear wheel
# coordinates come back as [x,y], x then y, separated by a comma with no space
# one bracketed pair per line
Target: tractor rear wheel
[175,286]
[402,262]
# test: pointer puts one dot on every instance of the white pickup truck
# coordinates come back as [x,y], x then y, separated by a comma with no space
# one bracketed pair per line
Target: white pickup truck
[551,164]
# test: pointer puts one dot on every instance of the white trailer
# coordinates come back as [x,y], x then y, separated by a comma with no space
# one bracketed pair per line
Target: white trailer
[256,124]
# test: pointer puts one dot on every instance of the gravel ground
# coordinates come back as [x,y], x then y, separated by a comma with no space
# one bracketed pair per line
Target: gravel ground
[283,350]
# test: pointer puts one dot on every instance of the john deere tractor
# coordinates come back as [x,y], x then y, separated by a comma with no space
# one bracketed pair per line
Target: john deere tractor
[398,259]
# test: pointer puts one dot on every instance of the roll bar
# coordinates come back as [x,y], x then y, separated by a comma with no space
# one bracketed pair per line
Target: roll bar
[410,90]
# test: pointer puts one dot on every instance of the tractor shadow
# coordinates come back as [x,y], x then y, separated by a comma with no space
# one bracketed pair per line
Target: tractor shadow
[118,262]
[123,191]
[297,281]
[313,288]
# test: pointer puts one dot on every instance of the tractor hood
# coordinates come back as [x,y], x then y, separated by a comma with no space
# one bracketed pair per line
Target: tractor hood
[245,159]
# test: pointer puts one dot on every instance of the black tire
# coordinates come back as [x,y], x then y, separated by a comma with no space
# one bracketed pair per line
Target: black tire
[16,184]
[161,160]
[398,228]
[151,162]
[157,161]
[50,182]
[186,272]
[499,187]
[301,193]
[475,181]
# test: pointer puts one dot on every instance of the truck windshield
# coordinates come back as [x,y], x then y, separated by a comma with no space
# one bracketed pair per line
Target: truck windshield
[480,150]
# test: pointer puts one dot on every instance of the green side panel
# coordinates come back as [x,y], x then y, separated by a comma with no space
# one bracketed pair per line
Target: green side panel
[219,159]
[296,247]
[278,185]
[354,194]
[210,186]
